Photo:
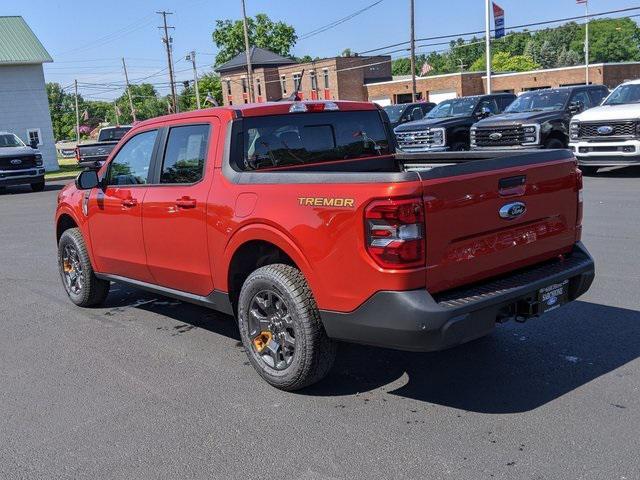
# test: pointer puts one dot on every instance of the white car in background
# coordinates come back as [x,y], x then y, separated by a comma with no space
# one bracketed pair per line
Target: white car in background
[609,135]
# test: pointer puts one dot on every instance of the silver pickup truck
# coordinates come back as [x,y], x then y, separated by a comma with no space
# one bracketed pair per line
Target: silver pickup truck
[20,164]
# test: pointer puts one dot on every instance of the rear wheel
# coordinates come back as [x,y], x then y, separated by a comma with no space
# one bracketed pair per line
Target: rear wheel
[38,186]
[281,329]
[79,280]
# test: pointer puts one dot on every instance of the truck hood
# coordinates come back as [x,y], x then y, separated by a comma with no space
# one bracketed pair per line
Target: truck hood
[17,151]
[610,112]
[433,122]
[508,119]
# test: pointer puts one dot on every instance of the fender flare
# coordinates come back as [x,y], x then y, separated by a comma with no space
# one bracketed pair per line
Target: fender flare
[81,222]
[266,233]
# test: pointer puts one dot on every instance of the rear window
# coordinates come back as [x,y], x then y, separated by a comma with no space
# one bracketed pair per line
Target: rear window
[111,134]
[303,138]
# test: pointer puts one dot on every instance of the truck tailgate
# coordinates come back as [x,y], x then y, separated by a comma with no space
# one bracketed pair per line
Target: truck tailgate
[467,238]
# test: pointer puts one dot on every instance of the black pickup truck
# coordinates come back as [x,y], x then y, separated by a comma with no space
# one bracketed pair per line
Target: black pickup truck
[537,119]
[446,127]
[93,155]
[407,112]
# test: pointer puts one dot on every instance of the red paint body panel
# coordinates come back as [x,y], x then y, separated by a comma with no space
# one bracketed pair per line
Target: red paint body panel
[189,248]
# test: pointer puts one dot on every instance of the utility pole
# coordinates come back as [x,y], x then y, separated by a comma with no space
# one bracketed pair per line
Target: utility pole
[487,27]
[414,92]
[586,41]
[75,83]
[248,52]
[168,41]
[192,57]
[126,78]
[115,110]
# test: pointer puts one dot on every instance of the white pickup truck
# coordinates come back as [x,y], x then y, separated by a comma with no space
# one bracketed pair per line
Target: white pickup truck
[609,135]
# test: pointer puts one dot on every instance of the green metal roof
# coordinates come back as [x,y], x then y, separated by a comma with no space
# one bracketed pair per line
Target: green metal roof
[18,43]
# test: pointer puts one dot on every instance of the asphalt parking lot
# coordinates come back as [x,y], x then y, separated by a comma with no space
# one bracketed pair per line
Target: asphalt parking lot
[147,387]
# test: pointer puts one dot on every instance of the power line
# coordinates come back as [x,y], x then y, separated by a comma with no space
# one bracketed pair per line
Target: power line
[546,22]
[168,41]
[340,21]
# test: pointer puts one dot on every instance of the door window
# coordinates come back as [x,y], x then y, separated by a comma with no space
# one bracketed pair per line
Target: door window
[185,154]
[582,97]
[597,95]
[130,166]
[489,103]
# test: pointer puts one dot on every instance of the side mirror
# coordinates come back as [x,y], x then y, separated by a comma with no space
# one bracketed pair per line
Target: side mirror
[87,179]
[34,144]
[576,107]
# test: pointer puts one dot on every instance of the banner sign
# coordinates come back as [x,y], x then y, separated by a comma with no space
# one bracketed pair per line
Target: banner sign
[498,17]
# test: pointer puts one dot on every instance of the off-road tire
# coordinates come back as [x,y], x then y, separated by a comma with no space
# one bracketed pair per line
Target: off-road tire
[38,186]
[94,291]
[314,352]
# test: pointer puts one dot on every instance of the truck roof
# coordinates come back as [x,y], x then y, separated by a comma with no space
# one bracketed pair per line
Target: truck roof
[260,109]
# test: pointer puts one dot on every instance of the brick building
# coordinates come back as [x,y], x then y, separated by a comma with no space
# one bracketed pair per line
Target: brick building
[276,77]
[436,88]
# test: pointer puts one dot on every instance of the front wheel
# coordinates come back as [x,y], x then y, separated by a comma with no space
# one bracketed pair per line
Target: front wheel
[79,280]
[281,330]
[38,186]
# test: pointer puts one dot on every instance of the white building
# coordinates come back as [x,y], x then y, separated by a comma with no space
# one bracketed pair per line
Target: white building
[24,107]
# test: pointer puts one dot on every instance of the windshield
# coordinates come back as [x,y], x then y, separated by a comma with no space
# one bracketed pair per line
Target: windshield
[538,101]
[624,94]
[456,107]
[394,112]
[298,139]
[10,140]
[111,134]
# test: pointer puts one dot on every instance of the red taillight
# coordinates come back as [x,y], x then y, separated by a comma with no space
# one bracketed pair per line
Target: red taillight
[77,150]
[579,213]
[395,233]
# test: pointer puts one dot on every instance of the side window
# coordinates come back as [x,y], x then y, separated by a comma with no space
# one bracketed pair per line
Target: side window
[416,114]
[130,166]
[582,97]
[597,95]
[34,134]
[504,102]
[489,103]
[185,154]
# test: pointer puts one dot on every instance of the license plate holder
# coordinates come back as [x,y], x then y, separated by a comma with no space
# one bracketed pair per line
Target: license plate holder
[553,296]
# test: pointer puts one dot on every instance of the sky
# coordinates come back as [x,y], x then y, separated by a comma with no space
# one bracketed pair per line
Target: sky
[88,43]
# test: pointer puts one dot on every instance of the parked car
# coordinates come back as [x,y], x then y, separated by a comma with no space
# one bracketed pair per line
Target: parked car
[93,155]
[447,126]
[609,135]
[407,112]
[299,219]
[20,164]
[537,119]
[66,148]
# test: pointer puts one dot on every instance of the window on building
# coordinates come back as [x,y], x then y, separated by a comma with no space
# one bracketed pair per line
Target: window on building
[283,84]
[314,81]
[259,87]
[296,82]
[325,73]
[228,87]
[34,135]
[130,166]
[244,85]
[185,154]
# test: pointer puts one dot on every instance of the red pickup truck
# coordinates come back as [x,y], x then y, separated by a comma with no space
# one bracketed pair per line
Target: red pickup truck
[299,219]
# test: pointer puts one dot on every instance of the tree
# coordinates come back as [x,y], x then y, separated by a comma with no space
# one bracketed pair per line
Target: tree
[62,111]
[208,83]
[228,36]
[346,52]
[146,102]
[503,62]
[401,66]
[547,55]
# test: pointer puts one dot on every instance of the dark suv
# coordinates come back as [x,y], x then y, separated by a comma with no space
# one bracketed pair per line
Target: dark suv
[447,126]
[537,119]
[407,112]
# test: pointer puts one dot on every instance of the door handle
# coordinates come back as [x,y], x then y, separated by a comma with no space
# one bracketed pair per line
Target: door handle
[129,202]
[186,202]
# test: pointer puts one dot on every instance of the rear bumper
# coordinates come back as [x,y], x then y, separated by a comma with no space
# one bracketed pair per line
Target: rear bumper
[21,177]
[93,163]
[417,321]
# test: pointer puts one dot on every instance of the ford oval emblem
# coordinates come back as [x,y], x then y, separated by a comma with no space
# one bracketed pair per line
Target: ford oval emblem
[512,210]
[495,136]
[605,130]
[16,161]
